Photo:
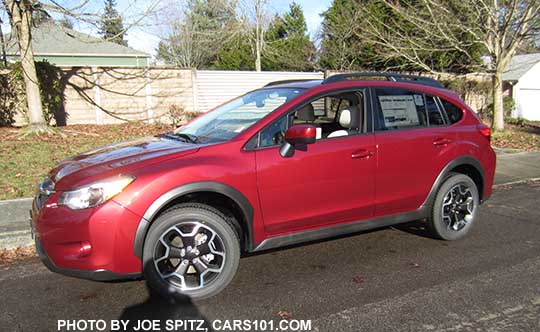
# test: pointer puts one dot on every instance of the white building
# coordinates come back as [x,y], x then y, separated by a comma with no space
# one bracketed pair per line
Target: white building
[522,83]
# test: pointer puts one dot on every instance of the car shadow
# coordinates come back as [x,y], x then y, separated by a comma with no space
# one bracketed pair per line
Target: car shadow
[166,310]
[416,227]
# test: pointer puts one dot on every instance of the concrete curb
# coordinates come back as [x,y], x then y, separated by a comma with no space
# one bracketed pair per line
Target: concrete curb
[495,186]
[16,239]
[14,223]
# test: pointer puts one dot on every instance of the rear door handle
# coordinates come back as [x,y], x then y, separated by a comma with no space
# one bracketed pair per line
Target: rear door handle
[363,153]
[441,141]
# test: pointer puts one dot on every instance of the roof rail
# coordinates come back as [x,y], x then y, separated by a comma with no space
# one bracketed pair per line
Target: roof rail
[389,76]
[289,81]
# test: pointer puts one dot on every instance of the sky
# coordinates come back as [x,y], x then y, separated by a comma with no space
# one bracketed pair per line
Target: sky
[146,36]
[146,40]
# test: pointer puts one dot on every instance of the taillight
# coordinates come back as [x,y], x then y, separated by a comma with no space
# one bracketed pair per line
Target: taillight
[485,131]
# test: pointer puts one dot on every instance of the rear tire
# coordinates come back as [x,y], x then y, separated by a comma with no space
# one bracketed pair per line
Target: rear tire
[455,208]
[191,249]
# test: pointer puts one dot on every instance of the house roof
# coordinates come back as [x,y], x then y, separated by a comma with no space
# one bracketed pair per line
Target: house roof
[52,39]
[519,65]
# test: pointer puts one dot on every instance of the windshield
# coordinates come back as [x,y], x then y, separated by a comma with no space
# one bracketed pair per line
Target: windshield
[230,119]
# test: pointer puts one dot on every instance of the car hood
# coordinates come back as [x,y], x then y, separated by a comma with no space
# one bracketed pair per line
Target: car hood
[117,158]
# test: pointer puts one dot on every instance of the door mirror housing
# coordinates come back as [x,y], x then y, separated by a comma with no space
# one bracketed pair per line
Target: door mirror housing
[301,134]
[298,137]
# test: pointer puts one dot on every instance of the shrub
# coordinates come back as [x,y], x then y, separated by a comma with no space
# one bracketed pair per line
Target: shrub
[508,105]
[10,98]
[13,96]
[179,116]
[52,95]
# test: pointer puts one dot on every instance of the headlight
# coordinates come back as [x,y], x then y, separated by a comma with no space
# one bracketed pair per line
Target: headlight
[94,194]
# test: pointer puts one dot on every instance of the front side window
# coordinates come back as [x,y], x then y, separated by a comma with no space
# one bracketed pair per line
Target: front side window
[232,118]
[274,133]
[339,114]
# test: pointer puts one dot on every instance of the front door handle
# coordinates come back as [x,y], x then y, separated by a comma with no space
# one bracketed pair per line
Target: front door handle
[443,141]
[363,153]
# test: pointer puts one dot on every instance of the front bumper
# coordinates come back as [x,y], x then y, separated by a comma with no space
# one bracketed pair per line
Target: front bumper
[96,275]
[94,244]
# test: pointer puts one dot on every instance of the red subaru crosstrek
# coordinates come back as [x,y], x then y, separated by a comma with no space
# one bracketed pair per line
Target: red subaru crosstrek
[291,162]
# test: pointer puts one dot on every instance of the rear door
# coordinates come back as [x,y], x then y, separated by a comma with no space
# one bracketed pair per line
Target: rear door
[414,144]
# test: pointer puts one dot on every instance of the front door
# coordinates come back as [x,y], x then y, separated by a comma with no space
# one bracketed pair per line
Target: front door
[329,183]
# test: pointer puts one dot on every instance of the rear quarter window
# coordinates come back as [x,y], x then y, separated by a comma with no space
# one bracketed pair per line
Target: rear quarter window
[453,112]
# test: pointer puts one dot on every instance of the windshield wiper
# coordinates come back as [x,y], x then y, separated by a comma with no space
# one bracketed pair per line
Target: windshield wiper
[186,137]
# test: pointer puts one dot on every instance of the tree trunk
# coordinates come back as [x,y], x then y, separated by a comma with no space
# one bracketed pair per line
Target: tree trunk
[258,34]
[258,58]
[21,23]
[3,45]
[498,108]
[258,44]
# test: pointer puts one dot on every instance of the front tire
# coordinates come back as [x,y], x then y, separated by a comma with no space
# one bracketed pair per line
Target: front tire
[455,208]
[191,249]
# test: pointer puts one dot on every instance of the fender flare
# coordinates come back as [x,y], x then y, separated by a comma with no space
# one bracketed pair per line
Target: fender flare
[208,186]
[463,160]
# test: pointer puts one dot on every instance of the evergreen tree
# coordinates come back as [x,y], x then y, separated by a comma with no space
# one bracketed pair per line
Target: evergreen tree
[195,41]
[236,54]
[111,25]
[288,44]
[40,16]
[347,45]
[66,23]
[339,47]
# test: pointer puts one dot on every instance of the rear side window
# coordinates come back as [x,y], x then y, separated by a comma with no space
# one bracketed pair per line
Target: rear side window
[453,112]
[435,114]
[400,109]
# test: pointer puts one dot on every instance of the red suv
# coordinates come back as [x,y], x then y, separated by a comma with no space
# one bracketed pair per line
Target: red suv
[294,161]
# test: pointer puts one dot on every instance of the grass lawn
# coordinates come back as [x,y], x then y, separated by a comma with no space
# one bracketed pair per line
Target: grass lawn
[524,137]
[24,162]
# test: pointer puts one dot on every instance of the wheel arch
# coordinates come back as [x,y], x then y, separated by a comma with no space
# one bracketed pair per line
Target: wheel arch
[242,209]
[467,165]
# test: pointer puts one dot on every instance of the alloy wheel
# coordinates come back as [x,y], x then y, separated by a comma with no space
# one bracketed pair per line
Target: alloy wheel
[458,207]
[189,255]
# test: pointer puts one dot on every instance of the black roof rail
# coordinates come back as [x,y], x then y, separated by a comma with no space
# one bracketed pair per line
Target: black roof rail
[289,81]
[389,76]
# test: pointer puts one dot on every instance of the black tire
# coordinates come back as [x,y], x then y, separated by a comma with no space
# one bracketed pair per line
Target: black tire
[208,220]
[444,223]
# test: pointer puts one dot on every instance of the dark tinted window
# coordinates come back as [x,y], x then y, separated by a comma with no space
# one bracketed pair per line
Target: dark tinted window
[400,109]
[274,133]
[453,112]
[435,116]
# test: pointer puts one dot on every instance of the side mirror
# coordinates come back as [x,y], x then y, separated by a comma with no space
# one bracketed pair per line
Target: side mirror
[298,137]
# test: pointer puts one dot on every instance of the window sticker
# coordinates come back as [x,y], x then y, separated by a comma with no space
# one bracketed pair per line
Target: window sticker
[399,111]
[419,100]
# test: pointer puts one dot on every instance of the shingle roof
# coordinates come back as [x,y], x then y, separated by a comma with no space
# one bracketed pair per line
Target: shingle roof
[52,39]
[519,65]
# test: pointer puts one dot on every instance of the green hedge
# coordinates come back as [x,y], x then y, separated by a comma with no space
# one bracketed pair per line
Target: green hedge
[13,96]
